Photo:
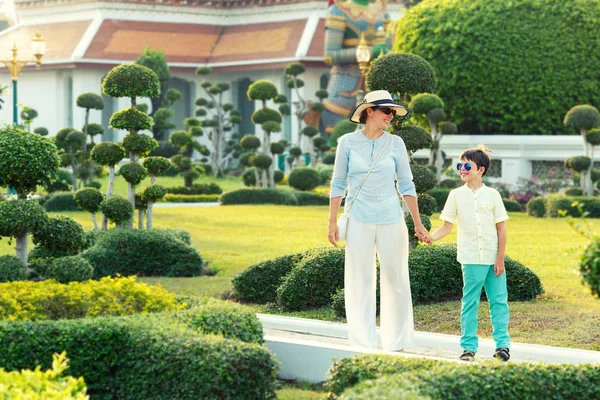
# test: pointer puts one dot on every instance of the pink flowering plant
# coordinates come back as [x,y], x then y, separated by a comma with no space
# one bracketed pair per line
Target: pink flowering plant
[553,181]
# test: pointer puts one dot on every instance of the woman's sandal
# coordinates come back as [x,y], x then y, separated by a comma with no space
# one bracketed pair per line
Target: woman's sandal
[467,356]
[502,354]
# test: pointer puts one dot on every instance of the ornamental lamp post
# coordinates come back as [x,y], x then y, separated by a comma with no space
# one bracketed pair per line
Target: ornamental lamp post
[38,48]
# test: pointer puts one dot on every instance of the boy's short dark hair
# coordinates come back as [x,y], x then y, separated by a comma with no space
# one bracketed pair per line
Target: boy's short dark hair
[480,155]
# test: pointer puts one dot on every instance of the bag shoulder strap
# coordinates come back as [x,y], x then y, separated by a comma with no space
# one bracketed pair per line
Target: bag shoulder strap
[369,173]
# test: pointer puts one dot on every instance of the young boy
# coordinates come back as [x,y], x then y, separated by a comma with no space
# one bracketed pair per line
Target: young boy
[480,214]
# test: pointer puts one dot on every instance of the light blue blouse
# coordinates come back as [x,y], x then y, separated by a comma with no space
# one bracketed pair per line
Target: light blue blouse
[377,202]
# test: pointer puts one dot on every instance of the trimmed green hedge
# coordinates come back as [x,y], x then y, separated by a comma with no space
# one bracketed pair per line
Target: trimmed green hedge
[259,282]
[511,205]
[258,196]
[191,198]
[536,207]
[144,253]
[556,202]
[316,278]
[198,188]
[143,357]
[61,201]
[487,56]
[311,199]
[460,381]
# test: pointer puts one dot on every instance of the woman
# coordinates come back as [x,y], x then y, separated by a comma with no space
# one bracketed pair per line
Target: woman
[376,224]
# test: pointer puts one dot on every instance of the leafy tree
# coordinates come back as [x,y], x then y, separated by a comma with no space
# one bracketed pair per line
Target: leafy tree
[219,117]
[164,98]
[90,200]
[507,66]
[26,161]
[584,118]
[132,81]
[108,154]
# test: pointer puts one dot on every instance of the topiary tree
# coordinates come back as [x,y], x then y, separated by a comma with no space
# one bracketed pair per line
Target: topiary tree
[141,206]
[220,117]
[133,173]
[162,100]
[117,210]
[70,269]
[340,129]
[75,141]
[41,131]
[584,118]
[251,143]
[304,178]
[151,195]
[109,155]
[61,182]
[133,81]
[26,161]
[11,269]
[269,119]
[187,169]
[580,164]
[28,115]
[90,199]
[484,92]
[295,153]
[90,101]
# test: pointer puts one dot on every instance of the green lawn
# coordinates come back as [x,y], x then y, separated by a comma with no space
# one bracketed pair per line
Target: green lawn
[231,238]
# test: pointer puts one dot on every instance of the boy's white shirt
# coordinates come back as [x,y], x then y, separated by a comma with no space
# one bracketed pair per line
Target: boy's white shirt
[476,212]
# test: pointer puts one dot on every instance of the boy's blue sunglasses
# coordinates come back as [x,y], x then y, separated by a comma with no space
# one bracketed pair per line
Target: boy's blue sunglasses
[460,166]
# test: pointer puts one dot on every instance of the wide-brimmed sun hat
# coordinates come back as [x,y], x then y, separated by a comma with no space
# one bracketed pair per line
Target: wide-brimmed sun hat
[379,98]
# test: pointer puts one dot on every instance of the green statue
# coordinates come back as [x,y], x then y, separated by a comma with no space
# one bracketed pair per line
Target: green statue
[346,22]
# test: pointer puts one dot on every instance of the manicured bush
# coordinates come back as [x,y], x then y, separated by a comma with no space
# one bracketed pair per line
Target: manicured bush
[311,199]
[61,235]
[191,198]
[389,377]
[511,205]
[427,204]
[258,196]
[47,385]
[142,252]
[117,210]
[325,173]
[143,357]
[70,269]
[11,269]
[278,176]
[304,178]
[93,184]
[432,269]
[313,281]
[505,36]
[249,176]
[484,381]
[89,199]
[423,178]
[536,207]
[449,183]
[61,201]
[440,195]
[203,188]
[573,191]
[50,300]
[590,266]
[259,282]
[557,202]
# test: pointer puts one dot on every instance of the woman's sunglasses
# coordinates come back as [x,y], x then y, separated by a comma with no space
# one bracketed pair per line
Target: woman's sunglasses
[385,110]
[467,166]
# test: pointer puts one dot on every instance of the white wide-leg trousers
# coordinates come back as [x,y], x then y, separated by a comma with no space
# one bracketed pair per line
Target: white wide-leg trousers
[390,242]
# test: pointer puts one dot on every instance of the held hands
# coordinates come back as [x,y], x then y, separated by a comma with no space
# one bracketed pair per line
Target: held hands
[333,234]
[423,235]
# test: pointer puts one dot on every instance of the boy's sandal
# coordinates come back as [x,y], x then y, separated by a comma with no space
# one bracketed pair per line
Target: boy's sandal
[502,354]
[467,356]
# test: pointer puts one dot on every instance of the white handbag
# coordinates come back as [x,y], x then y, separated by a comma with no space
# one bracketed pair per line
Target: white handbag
[342,221]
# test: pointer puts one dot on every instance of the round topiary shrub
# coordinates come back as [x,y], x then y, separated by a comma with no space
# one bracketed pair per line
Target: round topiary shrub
[278,176]
[249,177]
[573,191]
[423,178]
[139,143]
[578,163]
[133,173]
[304,178]
[259,282]
[505,36]
[156,165]
[449,183]
[108,153]
[340,129]
[329,159]
[153,252]
[11,269]
[131,80]
[262,90]
[153,193]
[590,266]
[414,136]
[313,281]
[536,207]
[325,174]
[262,161]
[93,184]
[70,269]
[427,204]
[21,217]
[263,115]
[61,235]
[117,210]
[89,199]
[401,73]
[61,201]
[512,206]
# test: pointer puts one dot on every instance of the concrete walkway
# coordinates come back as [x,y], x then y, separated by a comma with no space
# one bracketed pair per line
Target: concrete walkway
[306,348]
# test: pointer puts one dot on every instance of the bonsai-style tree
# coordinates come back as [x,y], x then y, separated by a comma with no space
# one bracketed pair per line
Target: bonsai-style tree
[90,200]
[427,107]
[269,119]
[310,132]
[108,154]
[133,81]
[219,116]
[251,143]
[584,118]
[133,173]
[187,169]
[26,161]
[262,163]
[61,236]
[75,141]
[27,116]
[117,210]
[320,147]
[156,166]
[164,98]
[90,101]
[141,206]
[41,131]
